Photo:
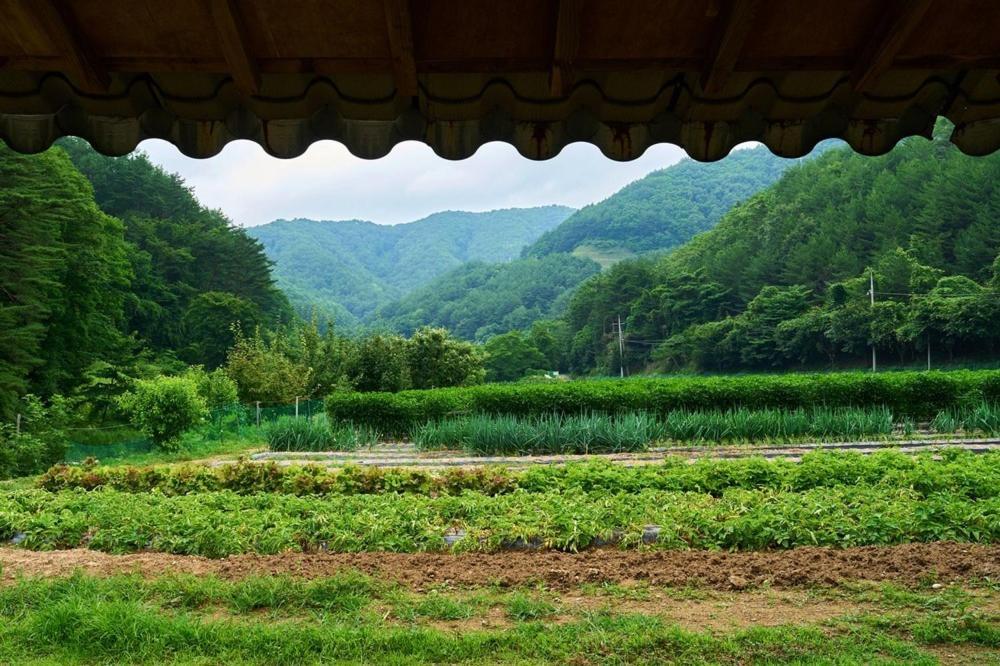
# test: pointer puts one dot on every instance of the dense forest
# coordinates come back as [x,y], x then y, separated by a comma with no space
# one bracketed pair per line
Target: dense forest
[665,208]
[345,270]
[782,281]
[478,300]
[110,266]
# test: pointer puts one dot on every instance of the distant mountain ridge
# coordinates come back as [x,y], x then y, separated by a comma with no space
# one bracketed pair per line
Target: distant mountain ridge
[347,269]
[664,209]
[654,214]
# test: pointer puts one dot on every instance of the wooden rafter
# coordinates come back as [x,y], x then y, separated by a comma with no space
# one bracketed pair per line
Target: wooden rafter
[400,31]
[567,44]
[886,41]
[55,18]
[235,45]
[735,19]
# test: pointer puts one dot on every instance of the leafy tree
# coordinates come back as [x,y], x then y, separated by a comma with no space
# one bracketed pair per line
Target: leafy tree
[380,364]
[264,372]
[510,356]
[164,408]
[435,360]
[216,388]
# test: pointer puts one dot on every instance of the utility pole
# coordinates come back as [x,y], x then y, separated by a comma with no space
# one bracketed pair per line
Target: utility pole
[871,292]
[621,349]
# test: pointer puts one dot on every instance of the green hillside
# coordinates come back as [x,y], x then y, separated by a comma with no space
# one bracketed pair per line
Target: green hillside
[664,209]
[110,267]
[782,280]
[352,267]
[478,300]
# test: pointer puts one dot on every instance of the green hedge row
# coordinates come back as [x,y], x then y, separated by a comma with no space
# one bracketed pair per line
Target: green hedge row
[907,394]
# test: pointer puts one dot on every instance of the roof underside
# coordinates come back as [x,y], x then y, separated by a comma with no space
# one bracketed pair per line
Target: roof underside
[621,74]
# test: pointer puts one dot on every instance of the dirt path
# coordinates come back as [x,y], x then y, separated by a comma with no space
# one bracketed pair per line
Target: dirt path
[406,455]
[907,564]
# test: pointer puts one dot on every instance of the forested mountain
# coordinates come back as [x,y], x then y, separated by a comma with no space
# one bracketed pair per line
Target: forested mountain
[107,260]
[660,211]
[354,266]
[664,209]
[194,272]
[782,280]
[478,300]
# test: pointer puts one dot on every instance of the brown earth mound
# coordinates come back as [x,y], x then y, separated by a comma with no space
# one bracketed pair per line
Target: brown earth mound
[907,564]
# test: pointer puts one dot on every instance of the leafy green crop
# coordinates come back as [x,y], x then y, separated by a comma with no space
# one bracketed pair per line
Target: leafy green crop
[289,433]
[952,471]
[216,524]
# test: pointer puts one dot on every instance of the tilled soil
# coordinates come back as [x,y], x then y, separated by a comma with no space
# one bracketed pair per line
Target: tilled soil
[907,564]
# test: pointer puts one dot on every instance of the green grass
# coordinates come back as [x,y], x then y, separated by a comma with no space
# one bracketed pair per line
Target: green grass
[184,619]
[605,256]
[983,419]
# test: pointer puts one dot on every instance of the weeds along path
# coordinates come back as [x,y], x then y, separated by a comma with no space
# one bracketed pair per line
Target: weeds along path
[907,564]
[406,455]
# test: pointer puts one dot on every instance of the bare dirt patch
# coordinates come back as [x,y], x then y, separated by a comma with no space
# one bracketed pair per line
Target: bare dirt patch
[726,611]
[906,564]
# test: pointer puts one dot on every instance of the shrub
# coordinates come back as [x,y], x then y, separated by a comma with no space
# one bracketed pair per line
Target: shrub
[216,388]
[23,454]
[315,434]
[906,394]
[164,408]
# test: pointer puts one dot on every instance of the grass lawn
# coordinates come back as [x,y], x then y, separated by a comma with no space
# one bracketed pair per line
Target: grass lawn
[352,618]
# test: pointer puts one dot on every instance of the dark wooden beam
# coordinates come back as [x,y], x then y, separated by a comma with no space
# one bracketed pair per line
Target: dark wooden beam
[567,44]
[735,19]
[886,41]
[235,45]
[55,19]
[400,31]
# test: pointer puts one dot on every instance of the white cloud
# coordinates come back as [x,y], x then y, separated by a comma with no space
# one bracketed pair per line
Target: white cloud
[327,182]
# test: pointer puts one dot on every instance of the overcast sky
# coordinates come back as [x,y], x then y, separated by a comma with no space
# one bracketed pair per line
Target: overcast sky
[328,183]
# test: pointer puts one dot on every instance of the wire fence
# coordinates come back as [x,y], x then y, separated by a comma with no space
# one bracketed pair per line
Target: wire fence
[231,421]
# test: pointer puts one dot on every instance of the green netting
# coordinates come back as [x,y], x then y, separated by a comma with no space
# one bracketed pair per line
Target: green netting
[78,452]
[231,421]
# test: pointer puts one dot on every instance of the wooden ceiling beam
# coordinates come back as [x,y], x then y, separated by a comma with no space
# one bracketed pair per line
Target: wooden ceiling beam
[566,47]
[735,19]
[232,33]
[400,31]
[55,18]
[886,41]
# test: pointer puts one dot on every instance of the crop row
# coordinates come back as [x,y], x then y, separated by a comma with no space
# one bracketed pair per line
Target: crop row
[504,434]
[907,394]
[223,523]
[955,471]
